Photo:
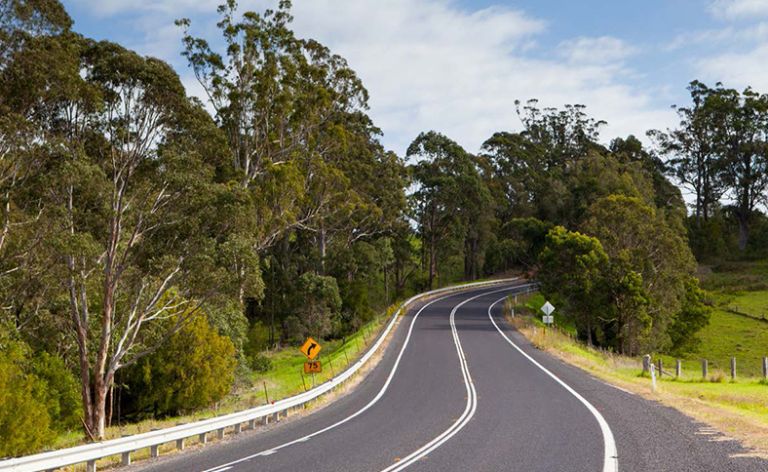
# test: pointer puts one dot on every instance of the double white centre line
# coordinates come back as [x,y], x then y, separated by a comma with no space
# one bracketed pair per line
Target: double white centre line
[469,410]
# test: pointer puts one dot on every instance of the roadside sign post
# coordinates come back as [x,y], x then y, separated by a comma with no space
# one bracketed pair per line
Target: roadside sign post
[311,349]
[548,319]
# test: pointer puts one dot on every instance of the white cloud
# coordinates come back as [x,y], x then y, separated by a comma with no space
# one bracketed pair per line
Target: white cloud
[739,9]
[429,64]
[738,69]
[600,50]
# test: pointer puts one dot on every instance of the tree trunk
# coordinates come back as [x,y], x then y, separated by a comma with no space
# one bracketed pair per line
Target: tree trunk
[743,232]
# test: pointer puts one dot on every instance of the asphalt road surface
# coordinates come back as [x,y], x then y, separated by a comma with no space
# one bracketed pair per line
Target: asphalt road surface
[457,390]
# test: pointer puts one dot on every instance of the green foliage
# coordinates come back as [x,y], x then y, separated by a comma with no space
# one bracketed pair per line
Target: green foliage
[319,303]
[193,369]
[639,239]
[62,391]
[25,415]
[260,363]
[572,268]
[692,318]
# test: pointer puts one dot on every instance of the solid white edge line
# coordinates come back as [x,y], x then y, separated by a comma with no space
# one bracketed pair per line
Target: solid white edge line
[358,412]
[469,410]
[610,457]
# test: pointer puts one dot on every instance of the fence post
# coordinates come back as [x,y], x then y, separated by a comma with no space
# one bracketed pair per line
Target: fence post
[661,367]
[765,368]
[646,363]
[704,369]
[733,368]
[653,377]
[678,368]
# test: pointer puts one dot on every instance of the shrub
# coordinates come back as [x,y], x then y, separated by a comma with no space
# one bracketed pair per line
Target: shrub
[62,391]
[25,422]
[195,368]
[260,363]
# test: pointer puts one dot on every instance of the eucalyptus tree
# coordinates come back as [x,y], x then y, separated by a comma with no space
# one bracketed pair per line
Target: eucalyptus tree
[451,203]
[283,104]
[131,233]
[741,141]
[692,152]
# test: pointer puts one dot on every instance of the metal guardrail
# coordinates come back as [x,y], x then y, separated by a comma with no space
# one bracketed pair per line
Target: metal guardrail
[90,453]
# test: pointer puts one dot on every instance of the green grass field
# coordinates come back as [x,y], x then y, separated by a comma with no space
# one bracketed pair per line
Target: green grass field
[726,336]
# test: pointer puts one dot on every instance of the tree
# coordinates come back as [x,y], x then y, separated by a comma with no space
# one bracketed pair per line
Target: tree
[651,260]
[572,267]
[741,140]
[127,211]
[320,302]
[692,151]
[451,203]
[693,316]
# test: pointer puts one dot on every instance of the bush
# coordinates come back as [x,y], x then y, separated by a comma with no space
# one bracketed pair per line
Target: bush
[260,363]
[194,369]
[62,390]
[25,422]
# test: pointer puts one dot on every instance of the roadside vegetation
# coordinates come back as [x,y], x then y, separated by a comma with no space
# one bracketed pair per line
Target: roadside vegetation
[161,258]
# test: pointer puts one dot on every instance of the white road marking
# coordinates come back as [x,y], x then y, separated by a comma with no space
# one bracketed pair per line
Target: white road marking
[610,457]
[358,412]
[469,410]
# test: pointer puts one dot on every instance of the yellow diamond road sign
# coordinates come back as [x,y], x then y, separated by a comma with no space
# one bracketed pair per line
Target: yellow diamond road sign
[310,348]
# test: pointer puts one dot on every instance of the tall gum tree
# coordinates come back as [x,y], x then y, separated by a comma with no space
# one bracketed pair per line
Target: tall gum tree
[128,209]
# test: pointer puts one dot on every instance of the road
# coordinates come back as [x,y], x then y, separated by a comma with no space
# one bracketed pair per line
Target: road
[458,390]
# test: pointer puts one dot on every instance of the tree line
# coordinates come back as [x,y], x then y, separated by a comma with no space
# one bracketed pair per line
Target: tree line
[154,247]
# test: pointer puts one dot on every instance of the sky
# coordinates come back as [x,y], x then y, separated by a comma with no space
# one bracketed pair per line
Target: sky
[457,66]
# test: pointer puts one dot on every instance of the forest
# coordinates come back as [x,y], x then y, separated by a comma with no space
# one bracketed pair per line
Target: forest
[154,247]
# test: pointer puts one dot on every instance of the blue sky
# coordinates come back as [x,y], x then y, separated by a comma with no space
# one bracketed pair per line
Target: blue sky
[457,66]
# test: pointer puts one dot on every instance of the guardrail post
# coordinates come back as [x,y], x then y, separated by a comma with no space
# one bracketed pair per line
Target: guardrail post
[265,420]
[276,417]
[90,466]
[252,424]
[154,451]
[220,433]
[704,369]
[765,368]
[238,428]
[125,460]
[180,444]
[678,368]
[203,438]
[733,368]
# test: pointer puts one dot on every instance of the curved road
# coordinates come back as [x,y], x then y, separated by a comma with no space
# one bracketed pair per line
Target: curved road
[457,390]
